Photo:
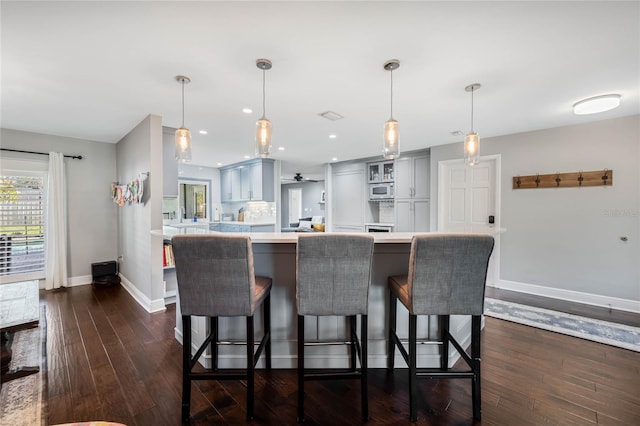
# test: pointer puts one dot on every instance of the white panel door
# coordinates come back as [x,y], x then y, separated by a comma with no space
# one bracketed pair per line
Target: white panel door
[467,195]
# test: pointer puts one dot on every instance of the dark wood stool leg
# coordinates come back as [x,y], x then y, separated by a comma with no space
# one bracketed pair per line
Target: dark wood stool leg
[444,338]
[364,394]
[475,359]
[213,324]
[391,345]
[413,410]
[267,329]
[352,346]
[250,368]
[186,367]
[300,368]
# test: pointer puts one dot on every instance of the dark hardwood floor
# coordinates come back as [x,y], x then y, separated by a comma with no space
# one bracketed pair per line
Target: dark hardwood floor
[108,359]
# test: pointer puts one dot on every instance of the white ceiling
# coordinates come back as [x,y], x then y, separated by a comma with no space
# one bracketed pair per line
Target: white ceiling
[93,70]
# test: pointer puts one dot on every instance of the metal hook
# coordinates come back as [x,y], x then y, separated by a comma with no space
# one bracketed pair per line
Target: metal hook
[605,176]
[558,180]
[537,180]
[580,179]
[518,182]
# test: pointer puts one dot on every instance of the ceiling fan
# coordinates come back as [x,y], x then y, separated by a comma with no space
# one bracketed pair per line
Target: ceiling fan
[298,178]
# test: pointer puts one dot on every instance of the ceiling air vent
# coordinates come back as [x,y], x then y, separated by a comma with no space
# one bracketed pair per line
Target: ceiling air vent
[330,115]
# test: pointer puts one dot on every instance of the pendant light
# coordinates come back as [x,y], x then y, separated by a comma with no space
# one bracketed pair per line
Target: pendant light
[391,147]
[471,140]
[183,135]
[263,126]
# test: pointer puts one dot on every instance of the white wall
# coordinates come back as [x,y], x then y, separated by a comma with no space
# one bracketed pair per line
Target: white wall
[565,242]
[140,151]
[92,223]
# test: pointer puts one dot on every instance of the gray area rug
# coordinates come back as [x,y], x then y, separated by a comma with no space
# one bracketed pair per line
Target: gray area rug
[23,400]
[620,335]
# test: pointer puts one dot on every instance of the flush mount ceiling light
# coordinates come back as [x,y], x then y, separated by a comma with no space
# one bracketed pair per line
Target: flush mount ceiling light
[263,126]
[391,148]
[596,104]
[471,140]
[183,135]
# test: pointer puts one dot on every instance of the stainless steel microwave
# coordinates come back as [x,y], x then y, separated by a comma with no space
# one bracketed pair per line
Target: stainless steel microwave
[378,191]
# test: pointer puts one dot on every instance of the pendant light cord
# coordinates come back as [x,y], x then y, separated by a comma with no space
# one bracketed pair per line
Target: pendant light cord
[263,94]
[392,94]
[472,90]
[183,103]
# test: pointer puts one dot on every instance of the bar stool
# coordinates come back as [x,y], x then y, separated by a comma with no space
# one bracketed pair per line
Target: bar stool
[216,279]
[333,274]
[447,275]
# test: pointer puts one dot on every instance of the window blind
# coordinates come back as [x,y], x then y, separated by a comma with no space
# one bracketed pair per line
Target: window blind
[22,206]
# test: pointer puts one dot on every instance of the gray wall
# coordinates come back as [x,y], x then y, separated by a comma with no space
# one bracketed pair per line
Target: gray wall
[311,192]
[140,151]
[567,238]
[92,217]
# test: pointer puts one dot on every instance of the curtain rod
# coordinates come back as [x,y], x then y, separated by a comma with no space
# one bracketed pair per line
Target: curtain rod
[75,157]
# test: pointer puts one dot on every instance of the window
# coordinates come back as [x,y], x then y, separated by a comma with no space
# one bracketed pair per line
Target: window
[22,209]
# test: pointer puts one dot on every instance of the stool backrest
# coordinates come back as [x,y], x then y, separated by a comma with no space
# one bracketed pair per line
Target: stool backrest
[215,274]
[333,274]
[447,273]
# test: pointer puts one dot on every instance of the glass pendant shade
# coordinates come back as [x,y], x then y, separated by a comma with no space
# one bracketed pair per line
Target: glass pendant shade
[183,145]
[471,149]
[263,138]
[391,148]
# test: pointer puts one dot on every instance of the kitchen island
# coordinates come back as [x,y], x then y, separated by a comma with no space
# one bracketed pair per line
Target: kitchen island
[275,257]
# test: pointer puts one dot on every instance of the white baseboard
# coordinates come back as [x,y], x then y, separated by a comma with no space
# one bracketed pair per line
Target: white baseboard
[571,296]
[81,280]
[148,304]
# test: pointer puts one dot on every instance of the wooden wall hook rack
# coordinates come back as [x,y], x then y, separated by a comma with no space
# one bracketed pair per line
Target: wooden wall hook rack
[565,180]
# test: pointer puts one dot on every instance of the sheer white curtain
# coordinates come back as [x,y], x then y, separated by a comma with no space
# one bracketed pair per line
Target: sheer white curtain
[56,224]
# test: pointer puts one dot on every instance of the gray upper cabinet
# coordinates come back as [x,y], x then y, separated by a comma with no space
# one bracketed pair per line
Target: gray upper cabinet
[412,177]
[248,181]
[348,198]
[169,164]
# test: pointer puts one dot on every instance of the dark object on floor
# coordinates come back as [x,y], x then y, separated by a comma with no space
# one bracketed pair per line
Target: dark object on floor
[105,273]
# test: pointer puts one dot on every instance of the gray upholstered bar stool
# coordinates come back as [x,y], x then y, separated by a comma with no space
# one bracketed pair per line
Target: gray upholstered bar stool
[447,275]
[216,279]
[333,275]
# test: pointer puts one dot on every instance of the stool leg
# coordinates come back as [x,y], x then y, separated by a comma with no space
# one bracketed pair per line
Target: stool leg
[352,346]
[364,394]
[300,368]
[413,322]
[444,338]
[250,368]
[213,324]
[186,367]
[266,312]
[391,345]
[475,359]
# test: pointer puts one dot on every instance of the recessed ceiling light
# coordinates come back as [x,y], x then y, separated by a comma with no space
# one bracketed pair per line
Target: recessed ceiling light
[203,132]
[333,136]
[281,148]
[247,110]
[247,157]
[218,164]
[596,104]
[334,159]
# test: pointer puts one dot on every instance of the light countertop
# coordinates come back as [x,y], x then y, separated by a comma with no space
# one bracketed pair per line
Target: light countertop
[292,237]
